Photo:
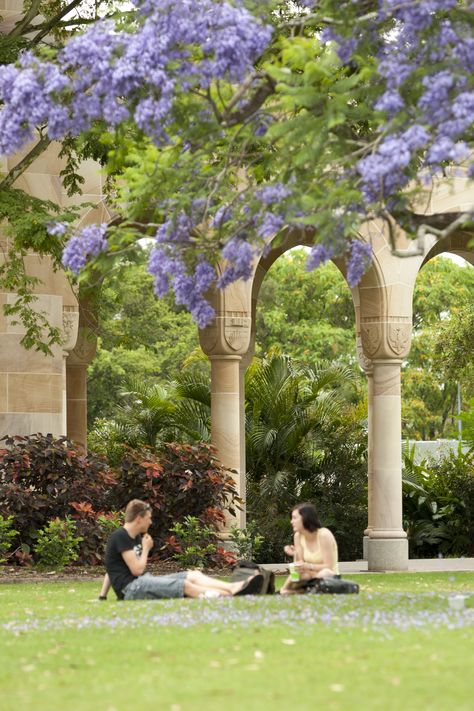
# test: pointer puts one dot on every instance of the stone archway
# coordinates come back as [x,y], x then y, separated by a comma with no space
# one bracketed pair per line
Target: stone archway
[383,307]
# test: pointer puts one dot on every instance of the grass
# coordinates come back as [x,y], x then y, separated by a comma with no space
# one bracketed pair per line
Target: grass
[397,644]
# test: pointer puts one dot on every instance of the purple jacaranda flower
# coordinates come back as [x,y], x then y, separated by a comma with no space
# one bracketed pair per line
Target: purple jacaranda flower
[56,229]
[204,275]
[360,258]
[320,254]
[390,101]
[88,242]
[271,194]
[444,149]
[223,215]
[111,74]
[270,225]
[416,137]
[345,47]
[240,256]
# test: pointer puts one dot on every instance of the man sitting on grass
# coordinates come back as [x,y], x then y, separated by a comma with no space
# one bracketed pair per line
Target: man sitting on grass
[126,558]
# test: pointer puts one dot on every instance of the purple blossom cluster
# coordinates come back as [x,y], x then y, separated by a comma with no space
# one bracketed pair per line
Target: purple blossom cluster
[114,74]
[189,289]
[358,258]
[319,254]
[272,193]
[424,37]
[240,257]
[169,270]
[88,242]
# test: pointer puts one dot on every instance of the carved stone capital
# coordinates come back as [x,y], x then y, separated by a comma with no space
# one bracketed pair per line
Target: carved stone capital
[85,348]
[364,362]
[385,338]
[70,327]
[229,334]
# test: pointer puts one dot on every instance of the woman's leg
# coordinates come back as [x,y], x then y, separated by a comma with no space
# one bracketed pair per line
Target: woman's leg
[325,573]
[286,589]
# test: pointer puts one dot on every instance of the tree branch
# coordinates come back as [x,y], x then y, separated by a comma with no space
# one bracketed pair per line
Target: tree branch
[266,89]
[440,224]
[48,26]
[22,24]
[15,172]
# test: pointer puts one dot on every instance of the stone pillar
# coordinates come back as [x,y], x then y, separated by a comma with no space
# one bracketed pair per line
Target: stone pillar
[228,425]
[227,342]
[367,366]
[76,385]
[387,545]
[370,462]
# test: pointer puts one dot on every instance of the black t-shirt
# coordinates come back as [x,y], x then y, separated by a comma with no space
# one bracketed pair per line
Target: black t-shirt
[119,572]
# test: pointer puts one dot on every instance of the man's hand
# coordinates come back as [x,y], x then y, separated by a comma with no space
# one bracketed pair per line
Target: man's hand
[147,542]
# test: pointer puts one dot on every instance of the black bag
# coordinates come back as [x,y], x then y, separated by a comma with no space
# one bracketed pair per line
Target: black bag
[245,569]
[331,586]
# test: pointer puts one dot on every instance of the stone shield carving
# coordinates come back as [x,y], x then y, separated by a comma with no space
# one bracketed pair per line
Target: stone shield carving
[237,332]
[370,336]
[399,336]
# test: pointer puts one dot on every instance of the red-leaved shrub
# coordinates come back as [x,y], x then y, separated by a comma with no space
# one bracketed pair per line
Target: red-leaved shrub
[40,478]
[182,480]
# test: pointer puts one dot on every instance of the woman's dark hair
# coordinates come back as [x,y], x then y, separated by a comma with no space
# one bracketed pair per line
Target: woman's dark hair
[309,516]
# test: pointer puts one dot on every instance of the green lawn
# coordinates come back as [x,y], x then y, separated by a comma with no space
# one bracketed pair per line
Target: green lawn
[397,645]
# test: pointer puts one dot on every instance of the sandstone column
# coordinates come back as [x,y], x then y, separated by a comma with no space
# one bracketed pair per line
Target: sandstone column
[227,343]
[370,462]
[228,424]
[76,375]
[387,545]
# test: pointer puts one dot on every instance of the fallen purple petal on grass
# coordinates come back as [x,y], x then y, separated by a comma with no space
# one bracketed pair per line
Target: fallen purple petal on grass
[377,613]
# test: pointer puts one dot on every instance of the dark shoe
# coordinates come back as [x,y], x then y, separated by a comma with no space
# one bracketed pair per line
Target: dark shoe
[252,587]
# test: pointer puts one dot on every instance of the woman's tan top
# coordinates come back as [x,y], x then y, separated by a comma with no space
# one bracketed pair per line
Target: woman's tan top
[315,556]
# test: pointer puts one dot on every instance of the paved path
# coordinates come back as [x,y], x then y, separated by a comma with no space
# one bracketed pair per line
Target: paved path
[421,565]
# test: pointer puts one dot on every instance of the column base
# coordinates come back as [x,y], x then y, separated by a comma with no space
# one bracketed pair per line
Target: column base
[387,554]
[365,548]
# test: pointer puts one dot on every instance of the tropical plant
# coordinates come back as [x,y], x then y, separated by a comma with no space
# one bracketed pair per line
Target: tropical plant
[438,503]
[138,334]
[305,441]
[287,408]
[192,542]
[57,544]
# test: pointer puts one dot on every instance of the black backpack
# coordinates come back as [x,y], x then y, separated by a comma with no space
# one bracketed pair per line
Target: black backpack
[331,586]
[245,569]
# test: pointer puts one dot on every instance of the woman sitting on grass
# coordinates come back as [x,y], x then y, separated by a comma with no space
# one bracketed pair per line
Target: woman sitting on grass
[314,548]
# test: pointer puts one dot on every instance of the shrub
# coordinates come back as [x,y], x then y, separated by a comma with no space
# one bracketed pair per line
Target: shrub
[246,542]
[438,504]
[193,542]
[57,544]
[7,536]
[94,529]
[182,480]
[40,477]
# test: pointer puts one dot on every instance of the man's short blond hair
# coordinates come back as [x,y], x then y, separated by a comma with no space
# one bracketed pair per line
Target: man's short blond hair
[135,508]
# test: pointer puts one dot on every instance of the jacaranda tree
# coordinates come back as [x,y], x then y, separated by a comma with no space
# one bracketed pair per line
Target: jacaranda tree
[223,123]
